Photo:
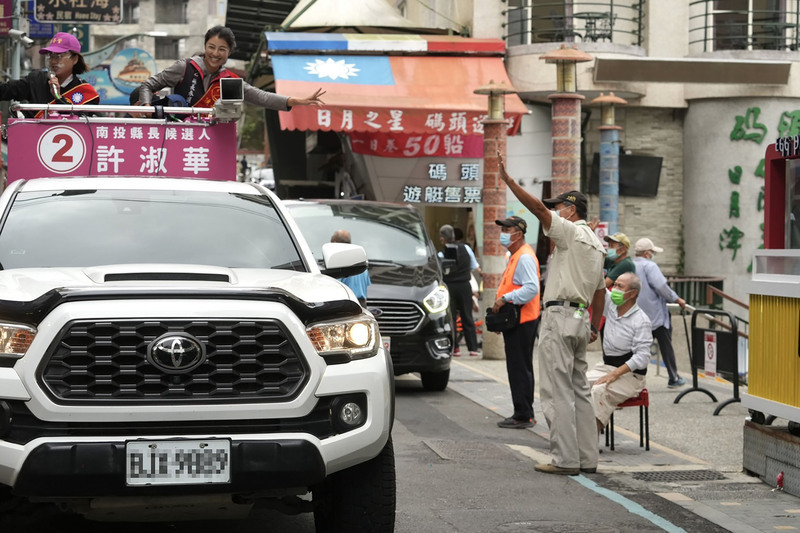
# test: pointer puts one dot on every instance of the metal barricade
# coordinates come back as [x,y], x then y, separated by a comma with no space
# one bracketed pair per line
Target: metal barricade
[716,345]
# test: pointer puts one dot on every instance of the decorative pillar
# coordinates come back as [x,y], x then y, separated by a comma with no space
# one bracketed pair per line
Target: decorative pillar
[609,160]
[494,205]
[566,119]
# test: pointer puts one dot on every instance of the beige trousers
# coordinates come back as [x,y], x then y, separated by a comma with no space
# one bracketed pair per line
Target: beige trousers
[563,388]
[607,396]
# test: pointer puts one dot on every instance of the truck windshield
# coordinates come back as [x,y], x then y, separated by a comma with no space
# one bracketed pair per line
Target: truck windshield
[393,234]
[80,228]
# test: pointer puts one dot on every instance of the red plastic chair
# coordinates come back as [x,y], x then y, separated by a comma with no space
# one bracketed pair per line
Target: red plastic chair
[643,402]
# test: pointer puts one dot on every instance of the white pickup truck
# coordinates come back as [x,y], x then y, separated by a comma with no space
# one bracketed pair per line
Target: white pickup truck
[170,349]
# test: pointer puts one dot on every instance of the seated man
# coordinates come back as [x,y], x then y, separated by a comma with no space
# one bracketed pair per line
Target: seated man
[626,350]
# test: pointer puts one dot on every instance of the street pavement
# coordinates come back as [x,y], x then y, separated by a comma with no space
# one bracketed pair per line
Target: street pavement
[695,458]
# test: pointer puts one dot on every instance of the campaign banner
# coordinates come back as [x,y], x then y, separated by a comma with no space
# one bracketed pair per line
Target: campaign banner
[426,145]
[75,148]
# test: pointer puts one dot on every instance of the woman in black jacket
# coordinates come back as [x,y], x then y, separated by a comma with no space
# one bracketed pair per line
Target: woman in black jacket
[59,84]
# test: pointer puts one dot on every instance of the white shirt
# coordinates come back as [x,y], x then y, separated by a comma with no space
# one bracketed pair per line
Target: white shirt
[630,332]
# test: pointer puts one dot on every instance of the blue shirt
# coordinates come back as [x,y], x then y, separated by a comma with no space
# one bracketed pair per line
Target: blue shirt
[358,284]
[527,276]
[655,293]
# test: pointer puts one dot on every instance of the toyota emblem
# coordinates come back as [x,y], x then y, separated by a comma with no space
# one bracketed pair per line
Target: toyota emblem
[176,353]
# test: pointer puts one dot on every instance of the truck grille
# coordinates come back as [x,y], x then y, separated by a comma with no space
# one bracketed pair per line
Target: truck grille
[107,361]
[396,317]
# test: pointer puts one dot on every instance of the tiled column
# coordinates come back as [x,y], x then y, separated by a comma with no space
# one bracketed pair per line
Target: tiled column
[566,121]
[494,208]
[566,127]
[609,160]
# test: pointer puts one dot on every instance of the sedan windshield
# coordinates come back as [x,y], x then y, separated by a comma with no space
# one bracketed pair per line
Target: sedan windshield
[391,234]
[80,228]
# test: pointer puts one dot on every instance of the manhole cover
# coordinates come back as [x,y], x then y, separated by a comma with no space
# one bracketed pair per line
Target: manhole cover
[679,475]
[454,450]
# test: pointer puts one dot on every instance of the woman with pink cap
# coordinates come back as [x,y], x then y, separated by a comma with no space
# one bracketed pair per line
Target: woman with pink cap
[59,84]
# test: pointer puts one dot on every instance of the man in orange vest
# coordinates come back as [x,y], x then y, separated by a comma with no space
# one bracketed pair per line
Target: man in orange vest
[519,286]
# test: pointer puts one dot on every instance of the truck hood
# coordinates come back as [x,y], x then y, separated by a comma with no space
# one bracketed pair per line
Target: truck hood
[24,285]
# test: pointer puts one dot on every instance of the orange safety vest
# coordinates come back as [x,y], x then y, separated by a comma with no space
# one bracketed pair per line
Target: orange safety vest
[530,311]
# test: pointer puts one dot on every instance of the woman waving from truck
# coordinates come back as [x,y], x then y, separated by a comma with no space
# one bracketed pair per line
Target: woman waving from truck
[196,79]
[59,84]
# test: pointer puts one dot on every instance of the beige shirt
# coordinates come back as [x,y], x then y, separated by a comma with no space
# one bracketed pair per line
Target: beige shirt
[576,268]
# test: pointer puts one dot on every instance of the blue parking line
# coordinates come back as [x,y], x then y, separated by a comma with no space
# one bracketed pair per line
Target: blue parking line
[631,506]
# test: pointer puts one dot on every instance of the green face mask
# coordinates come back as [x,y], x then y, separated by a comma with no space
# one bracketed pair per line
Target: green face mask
[617,297]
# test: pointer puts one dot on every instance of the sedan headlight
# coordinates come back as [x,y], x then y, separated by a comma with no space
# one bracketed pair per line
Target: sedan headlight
[437,301]
[346,340]
[15,340]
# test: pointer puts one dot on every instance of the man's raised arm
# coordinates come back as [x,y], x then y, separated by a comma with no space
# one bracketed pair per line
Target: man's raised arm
[528,200]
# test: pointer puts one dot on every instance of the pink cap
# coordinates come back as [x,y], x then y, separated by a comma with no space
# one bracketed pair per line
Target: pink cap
[62,42]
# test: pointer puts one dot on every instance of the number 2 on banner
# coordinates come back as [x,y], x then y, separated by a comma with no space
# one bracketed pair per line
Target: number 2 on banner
[61,149]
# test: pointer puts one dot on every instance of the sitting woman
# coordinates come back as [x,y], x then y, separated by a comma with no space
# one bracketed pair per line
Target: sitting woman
[195,78]
[59,84]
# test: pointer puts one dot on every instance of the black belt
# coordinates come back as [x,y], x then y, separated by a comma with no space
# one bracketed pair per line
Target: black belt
[564,303]
[619,360]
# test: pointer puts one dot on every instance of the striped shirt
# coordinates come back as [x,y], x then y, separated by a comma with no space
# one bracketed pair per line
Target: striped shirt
[627,333]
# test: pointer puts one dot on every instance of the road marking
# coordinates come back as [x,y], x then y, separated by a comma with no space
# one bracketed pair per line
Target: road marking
[631,506]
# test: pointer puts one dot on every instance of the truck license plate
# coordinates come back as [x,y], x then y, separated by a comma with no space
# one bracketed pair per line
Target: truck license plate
[177,462]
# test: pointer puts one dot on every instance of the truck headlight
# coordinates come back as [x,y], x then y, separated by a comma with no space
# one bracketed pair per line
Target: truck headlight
[437,301]
[346,340]
[15,340]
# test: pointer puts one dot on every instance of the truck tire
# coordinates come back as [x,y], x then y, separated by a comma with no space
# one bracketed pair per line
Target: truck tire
[360,499]
[435,381]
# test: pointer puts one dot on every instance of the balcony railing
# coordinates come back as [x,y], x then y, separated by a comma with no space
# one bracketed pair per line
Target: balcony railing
[743,25]
[616,21]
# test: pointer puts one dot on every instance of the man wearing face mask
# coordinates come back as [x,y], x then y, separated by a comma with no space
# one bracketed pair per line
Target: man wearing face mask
[626,350]
[519,286]
[575,281]
[653,301]
[617,260]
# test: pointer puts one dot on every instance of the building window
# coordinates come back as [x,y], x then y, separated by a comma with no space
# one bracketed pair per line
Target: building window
[130,12]
[745,25]
[169,13]
[169,48]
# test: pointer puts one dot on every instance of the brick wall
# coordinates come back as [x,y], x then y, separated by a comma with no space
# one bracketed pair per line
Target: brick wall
[657,132]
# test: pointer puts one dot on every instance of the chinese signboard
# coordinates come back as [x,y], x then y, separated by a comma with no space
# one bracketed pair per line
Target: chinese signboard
[6,9]
[429,145]
[448,182]
[389,120]
[111,149]
[78,11]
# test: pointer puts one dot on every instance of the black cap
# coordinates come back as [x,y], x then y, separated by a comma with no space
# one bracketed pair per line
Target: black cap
[516,222]
[572,197]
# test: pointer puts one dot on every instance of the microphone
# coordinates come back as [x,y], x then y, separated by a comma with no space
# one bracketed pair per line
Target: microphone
[56,86]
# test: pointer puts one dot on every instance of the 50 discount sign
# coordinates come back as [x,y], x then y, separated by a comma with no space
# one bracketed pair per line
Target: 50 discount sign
[61,149]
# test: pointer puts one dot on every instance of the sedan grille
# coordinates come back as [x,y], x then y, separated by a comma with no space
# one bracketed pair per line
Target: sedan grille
[107,361]
[396,317]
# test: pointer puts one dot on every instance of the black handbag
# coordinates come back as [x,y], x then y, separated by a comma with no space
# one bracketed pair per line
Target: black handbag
[503,320]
